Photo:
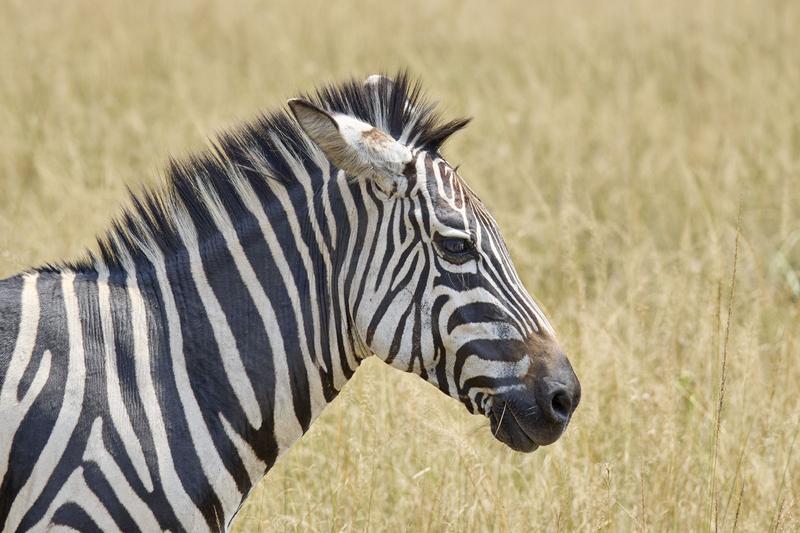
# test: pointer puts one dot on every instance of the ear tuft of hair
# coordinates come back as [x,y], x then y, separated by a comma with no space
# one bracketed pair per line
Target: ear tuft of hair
[378,80]
[436,136]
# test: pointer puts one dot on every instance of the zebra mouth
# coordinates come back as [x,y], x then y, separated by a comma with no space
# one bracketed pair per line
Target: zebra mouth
[507,429]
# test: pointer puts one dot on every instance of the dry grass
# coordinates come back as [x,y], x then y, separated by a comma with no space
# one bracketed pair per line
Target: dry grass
[615,142]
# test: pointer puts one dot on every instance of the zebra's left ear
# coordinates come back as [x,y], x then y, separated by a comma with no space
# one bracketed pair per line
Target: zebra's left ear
[354,146]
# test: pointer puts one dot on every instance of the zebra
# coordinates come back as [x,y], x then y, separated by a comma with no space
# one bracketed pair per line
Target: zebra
[152,383]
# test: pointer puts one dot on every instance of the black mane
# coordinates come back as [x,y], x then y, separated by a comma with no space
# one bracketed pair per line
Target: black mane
[396,106]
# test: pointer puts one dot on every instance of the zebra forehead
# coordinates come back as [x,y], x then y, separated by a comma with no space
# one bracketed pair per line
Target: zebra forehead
[449,192]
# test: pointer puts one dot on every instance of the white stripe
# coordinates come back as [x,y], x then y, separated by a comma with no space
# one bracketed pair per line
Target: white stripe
[70,410]
[221,481]
[116,406]
[353,247]
[256,468]
[14,411]
[476,366]
[286,426]
[326,201]
[298,170]
[75,490]
[96,452]
[185,510]
[235,372]
[523,302]
[472,331]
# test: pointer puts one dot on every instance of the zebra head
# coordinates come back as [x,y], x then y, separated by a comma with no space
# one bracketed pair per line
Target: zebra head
[438,293]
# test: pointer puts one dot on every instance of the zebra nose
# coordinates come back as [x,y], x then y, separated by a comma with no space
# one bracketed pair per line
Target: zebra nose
[559,395]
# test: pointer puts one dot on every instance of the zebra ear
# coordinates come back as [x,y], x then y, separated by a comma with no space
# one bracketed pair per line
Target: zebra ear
[353,145]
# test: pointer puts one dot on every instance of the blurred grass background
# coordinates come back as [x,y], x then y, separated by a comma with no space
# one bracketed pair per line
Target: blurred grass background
[614,141]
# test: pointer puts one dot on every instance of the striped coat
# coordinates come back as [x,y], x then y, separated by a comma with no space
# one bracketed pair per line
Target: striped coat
[149,386]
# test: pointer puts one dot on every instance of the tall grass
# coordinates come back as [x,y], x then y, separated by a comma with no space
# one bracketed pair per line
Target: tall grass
[615,142]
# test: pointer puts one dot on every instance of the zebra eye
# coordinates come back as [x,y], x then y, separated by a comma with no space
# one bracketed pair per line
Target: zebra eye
[457,249]
[455,246]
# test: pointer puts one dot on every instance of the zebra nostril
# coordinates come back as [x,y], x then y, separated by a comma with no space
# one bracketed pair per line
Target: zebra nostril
[557,401]
[561,404]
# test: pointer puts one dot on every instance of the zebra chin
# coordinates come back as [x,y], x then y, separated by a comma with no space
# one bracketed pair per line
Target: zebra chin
[510,433]
[522,428]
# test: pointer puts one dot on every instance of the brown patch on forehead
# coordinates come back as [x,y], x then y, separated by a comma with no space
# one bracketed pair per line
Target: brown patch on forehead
[542,343]
[378,139]
[376,136]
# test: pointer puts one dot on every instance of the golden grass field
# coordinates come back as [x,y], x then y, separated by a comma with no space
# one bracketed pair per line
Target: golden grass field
[616,143]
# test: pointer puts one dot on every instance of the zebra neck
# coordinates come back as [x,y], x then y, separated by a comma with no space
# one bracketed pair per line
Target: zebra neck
[193,393]
[190,368]
[215,357]
[246,341]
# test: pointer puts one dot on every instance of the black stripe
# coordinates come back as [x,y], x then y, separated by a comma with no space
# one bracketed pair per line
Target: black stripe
[276,290]
[105,493]
[187,464]
[389,300]
[509,350]
[72,515]
[126,377]
[94,397]
[36,426]
[204,364]
[10,316]
[476,312]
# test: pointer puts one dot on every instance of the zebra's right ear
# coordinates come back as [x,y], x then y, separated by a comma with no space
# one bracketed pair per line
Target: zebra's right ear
[354,146]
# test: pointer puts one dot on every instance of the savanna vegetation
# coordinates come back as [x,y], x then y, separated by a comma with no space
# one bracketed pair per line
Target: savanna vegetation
[643,159]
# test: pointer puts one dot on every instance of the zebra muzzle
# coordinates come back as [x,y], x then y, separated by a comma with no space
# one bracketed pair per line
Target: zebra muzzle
[538,414]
